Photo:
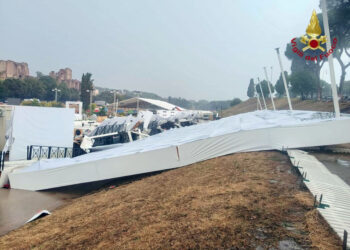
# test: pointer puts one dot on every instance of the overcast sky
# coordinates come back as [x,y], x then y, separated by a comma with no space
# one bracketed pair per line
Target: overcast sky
[203,49]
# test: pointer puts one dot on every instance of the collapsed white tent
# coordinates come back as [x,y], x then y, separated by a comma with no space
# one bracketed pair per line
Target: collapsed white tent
[255,131]
[39,126]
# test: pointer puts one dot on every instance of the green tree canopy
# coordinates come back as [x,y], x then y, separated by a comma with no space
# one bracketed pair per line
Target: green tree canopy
[303,84]
[235,101]
[251,89]
[339,26]
[86,84]
[265,88]
[279,86]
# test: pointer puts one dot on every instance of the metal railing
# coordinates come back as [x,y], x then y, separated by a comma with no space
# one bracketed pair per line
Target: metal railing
[48,152]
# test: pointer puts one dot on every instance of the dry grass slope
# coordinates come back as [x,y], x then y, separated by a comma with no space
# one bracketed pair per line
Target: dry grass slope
[281,104]
[238,201]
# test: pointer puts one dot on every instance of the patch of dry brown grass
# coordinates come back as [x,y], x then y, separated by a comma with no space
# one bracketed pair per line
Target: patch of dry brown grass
[242,200]
[281,104]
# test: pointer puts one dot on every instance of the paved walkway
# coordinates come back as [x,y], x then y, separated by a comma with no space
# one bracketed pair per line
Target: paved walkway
[334,189]
[17,206]
[330,161]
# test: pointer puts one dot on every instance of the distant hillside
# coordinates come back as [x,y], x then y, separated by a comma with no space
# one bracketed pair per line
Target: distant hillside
[251,105]
[106,95]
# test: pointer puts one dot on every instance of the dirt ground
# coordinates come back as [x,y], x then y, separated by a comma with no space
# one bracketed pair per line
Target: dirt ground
[240,201]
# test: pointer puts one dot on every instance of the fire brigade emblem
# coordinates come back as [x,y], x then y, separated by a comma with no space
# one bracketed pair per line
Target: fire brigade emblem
[312,39]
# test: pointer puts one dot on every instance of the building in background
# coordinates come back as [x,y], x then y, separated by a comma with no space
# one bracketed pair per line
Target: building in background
[11,69]
[65,75]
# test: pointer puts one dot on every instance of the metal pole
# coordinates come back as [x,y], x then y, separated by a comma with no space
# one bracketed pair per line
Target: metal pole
[56,91]
[117,107]
[90,101]
[268,84]
[284,78]
[262,93]
[330,59]
[114,97]
[137,103]
[257,96]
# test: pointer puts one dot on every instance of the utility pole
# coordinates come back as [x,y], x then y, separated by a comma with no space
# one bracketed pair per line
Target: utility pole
[115,101]
[56,90]
[330,59]
[262,93]
[268,84]
[284,78]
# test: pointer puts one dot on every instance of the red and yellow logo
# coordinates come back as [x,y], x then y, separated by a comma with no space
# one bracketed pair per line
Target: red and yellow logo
[313,41]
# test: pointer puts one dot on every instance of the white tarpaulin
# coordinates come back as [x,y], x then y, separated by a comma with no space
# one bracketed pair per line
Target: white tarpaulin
[40,126]
[255,131]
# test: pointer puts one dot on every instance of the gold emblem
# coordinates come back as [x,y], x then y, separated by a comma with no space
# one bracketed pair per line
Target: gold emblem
[313,40]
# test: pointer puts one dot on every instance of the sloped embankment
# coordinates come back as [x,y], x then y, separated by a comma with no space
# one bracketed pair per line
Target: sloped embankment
[251,105]
[243,200]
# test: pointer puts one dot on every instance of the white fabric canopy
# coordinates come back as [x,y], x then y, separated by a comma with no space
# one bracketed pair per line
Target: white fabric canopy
[261,130]
[40,126]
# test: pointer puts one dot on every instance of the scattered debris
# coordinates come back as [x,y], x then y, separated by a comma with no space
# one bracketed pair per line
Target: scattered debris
[39,215]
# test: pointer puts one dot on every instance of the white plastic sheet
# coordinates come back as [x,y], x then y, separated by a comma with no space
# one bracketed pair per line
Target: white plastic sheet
[255,131]
[40,126]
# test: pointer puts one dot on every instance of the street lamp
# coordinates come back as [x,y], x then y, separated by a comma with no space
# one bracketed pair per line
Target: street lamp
[56,90]
[90,91]
[115,92]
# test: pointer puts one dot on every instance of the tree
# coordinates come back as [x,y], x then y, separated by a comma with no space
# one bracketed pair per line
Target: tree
[279,86]
[102,111]
[299,64]
[49,84]
[64,94]
[251,89]
[14,88]
[74,95]
[265,88]
[34,88]
[106,96]
[303,84]
[326,88]
[339,26]
[235,101]
[347,88]
[2,90]
[86,84]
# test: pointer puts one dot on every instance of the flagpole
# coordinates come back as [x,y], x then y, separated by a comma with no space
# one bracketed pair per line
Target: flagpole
[262,93]
[257,96]
[268,84]
[284,78]
[330,59]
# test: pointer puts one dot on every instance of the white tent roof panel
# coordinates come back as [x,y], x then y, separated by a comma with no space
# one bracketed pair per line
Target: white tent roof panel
[255,131]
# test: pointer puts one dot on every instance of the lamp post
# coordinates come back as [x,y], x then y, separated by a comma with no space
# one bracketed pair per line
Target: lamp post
[56,90]
[115,101]
[284,78]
